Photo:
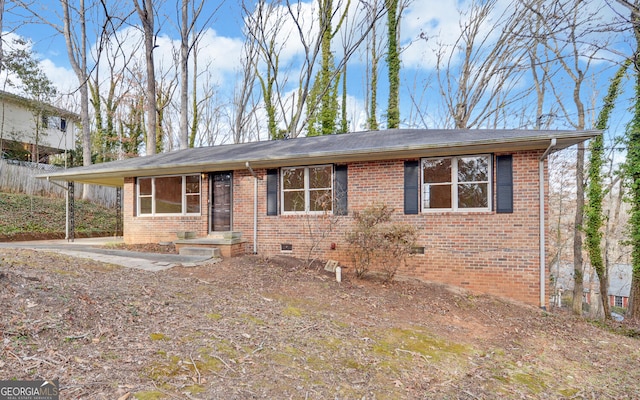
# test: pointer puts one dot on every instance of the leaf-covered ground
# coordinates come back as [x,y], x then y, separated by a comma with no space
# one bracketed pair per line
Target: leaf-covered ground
[269,328]
[24,217]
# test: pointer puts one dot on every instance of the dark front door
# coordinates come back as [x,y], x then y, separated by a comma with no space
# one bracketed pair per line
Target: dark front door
[221,202]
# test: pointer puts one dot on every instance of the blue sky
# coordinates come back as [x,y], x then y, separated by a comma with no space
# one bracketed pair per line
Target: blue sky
[223,40]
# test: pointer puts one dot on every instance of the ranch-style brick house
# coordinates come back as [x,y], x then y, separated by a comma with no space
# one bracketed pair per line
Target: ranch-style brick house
[477,197]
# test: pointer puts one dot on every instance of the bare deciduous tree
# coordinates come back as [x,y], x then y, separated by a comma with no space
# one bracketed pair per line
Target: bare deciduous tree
[566,36]
[478,75]
[263,29]
[266,25]
[146,13]
[244,104]
[375,44]
[77,52]
[190,11]
[632,167]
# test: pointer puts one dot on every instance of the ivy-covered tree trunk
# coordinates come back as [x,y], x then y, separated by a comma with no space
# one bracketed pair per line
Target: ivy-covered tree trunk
[633,170]
[372,123]
[578,261]
[393,61]
[633,174]
[323,98]
[195,114]
[344,120]
[99,139]
[595,192]
[267,93]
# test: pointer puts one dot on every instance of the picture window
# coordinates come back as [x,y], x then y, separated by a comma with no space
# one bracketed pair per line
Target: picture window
[169,195]
[456,183]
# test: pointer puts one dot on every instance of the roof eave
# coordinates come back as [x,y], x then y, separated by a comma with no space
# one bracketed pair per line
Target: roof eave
[115,176]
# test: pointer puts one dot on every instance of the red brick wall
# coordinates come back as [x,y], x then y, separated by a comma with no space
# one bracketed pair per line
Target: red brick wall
[484,252]
[147,229]
[612,301]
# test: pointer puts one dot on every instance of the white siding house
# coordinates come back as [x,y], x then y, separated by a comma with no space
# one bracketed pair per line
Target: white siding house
[32,131]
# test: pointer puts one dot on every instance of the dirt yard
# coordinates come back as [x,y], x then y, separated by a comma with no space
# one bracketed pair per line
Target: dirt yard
[256,328]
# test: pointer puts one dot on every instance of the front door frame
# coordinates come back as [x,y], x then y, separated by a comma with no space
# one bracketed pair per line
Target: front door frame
[212,180]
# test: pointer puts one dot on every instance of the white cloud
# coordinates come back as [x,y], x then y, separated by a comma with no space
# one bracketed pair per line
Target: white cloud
[221,53]
[422,30]
[278,20]
[64,79]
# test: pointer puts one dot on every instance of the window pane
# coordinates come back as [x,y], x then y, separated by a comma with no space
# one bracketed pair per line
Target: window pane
[473,195]
[293,178]
[169,195]
[145,205]
[193,184]
[193,204]
[320,200]
[293,200]
[144,185]
[437,196]
[320,177]
[473,169]
[436,171]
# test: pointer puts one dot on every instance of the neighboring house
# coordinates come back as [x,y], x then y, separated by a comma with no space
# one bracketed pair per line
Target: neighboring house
[620,285]
[477,197]
[32,131]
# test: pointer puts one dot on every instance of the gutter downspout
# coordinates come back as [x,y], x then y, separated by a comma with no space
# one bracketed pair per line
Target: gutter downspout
[255,207]
[542,223]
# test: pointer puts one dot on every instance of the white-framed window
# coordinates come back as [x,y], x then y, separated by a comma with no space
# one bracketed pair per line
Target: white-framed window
[460,183]
[618,301]
[168,195]
[307,189]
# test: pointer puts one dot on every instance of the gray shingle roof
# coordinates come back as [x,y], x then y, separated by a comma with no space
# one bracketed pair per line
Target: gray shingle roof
[620,280]
[358,146]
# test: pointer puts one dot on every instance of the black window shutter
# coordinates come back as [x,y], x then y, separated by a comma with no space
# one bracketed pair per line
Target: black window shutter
[340,191]
[504,184]
[411,186]
[272,192]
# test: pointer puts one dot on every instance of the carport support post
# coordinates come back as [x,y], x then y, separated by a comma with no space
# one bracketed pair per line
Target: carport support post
[69,201]
[70,225]
[119,227]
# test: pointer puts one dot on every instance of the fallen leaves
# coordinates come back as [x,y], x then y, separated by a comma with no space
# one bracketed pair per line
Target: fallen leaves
[250,327]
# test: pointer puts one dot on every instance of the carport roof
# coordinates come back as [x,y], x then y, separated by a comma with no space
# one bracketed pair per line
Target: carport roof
[350,147]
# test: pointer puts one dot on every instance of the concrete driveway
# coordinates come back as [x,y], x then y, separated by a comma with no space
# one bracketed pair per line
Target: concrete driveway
[95,249]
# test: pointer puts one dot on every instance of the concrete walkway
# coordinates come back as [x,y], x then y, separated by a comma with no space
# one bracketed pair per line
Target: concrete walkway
[96,249]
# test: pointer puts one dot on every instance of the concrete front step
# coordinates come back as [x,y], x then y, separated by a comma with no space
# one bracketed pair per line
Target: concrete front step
[228,248]
[212,252]
[228,235]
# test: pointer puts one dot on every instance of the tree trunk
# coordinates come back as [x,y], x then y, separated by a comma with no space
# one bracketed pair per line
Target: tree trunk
[373,106]
[78,60]
[633,168]
[595,194]
[1,26]
[147,19]
[578,272]
[598,302]
[193,128]
[184,77]
[393,61]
